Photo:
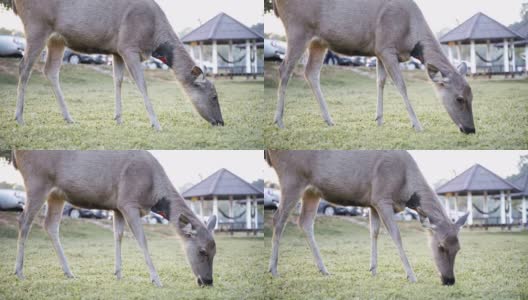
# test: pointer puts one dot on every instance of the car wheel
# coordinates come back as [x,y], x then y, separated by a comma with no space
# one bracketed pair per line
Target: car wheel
[329,211]
[75,214]
[74,59]
[152,221]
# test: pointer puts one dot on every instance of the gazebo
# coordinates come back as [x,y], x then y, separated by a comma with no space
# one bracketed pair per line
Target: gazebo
[481,29]
[522,184]
[479,181]
[224,30]
[522,29]
[226,191]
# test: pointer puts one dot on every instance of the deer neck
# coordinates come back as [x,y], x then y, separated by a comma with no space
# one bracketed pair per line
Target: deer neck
[429,206]
[173,53]
[429,51]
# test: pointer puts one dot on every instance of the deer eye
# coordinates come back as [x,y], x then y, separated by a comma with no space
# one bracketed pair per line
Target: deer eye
[442,249]
[202,252]
[460,100]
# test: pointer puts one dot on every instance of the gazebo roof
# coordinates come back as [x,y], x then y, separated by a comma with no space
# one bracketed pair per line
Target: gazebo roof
[480,28]
[522,183]
[222,28]
[476,180]
[223,183]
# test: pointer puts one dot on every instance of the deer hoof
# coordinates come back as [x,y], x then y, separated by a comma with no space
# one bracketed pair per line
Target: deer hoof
[118,275]
[279,123]
[118,120]
[20,275]
[411,278]
[156,126]
[374,271]
[418,127]
[69,275]
[20,121]
[325,273]
[157,282]
[330,123]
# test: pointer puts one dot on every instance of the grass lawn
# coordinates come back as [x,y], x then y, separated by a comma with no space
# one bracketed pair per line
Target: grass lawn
[491,265]
[500,111]
[89,95]
[89,248]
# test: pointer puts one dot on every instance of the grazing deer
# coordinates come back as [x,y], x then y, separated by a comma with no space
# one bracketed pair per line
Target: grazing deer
[385,181]
[130,30]
[393,31]
[131,183]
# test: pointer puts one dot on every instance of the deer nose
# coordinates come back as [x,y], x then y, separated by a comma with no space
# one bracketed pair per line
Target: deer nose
[217,123]
[448,281]
[467,130]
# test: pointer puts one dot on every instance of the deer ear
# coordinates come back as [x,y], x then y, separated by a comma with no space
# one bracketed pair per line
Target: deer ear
[462,220]
[426,223]
[185,226]
[436,75]
[211,224]
[462,69]
[196,72]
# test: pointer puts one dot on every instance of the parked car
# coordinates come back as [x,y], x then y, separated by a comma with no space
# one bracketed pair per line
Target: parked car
[406,215]
[12,46]
[330,209]
[274,49]
[12,200]
[372,62]
[75,58]
[77,212]
[153,63]
[154,218]
[271,198]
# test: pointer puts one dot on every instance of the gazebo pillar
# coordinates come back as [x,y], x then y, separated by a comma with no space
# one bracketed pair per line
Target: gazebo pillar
[523,210]
[248,57]
[473,58]
[506,59]
[255,62]
[486,203]
[215,210]
[191,48]
[502,208]
[514,67]
[201,209]
[510,208]
[469,208]
[450,55]
[215,58]
[456,205]
[446,205]
[230,55]
[459,52]
[488,54]
[231,215]
[256,214]
[248,212]
[526,56]
[200,57]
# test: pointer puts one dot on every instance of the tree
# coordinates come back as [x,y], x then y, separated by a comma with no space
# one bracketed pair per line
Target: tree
[268,6]
[7,4]
[258,184]
[259,28]
[524,11]
[523,169]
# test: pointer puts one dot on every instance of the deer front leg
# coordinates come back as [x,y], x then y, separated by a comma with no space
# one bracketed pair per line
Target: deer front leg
[312,74]
[310,203]
[382,78]
[386,213]
[119,67]
[119,227]
[52,223]
[374,231]
[392,66]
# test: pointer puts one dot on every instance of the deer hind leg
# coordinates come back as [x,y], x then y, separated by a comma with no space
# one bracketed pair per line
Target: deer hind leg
[52,223]
[386,212]
[133,63]
[119,68]
[374,232]
[312,74]
[52,69]
[297,44]
[391,63]
[36,40]
[310,204]
[382,78]
[290,195]
[119,227]
[36,195]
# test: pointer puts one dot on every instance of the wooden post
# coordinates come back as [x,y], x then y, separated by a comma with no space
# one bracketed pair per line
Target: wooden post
[446,204]
[510,208]
[470,208]
[201,209]
[502,208]
[191,46]
[230,55]
[526,56]
[506,59]
[255,62]
[514,67]
[488,58]
[215,58]
[248,212]
[231,214]
[473,59]
[248,57]
[486,203]
[450,54]
[456,206]
[200,57]
[215,210]
[524,210]
[459,52]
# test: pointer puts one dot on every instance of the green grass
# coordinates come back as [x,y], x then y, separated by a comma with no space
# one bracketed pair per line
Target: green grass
[238,265]
[491,265]
[500,111]
[89,95]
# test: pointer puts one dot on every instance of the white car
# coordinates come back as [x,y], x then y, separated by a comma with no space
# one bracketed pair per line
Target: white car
[12,45]
[12,200]
[274,49]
